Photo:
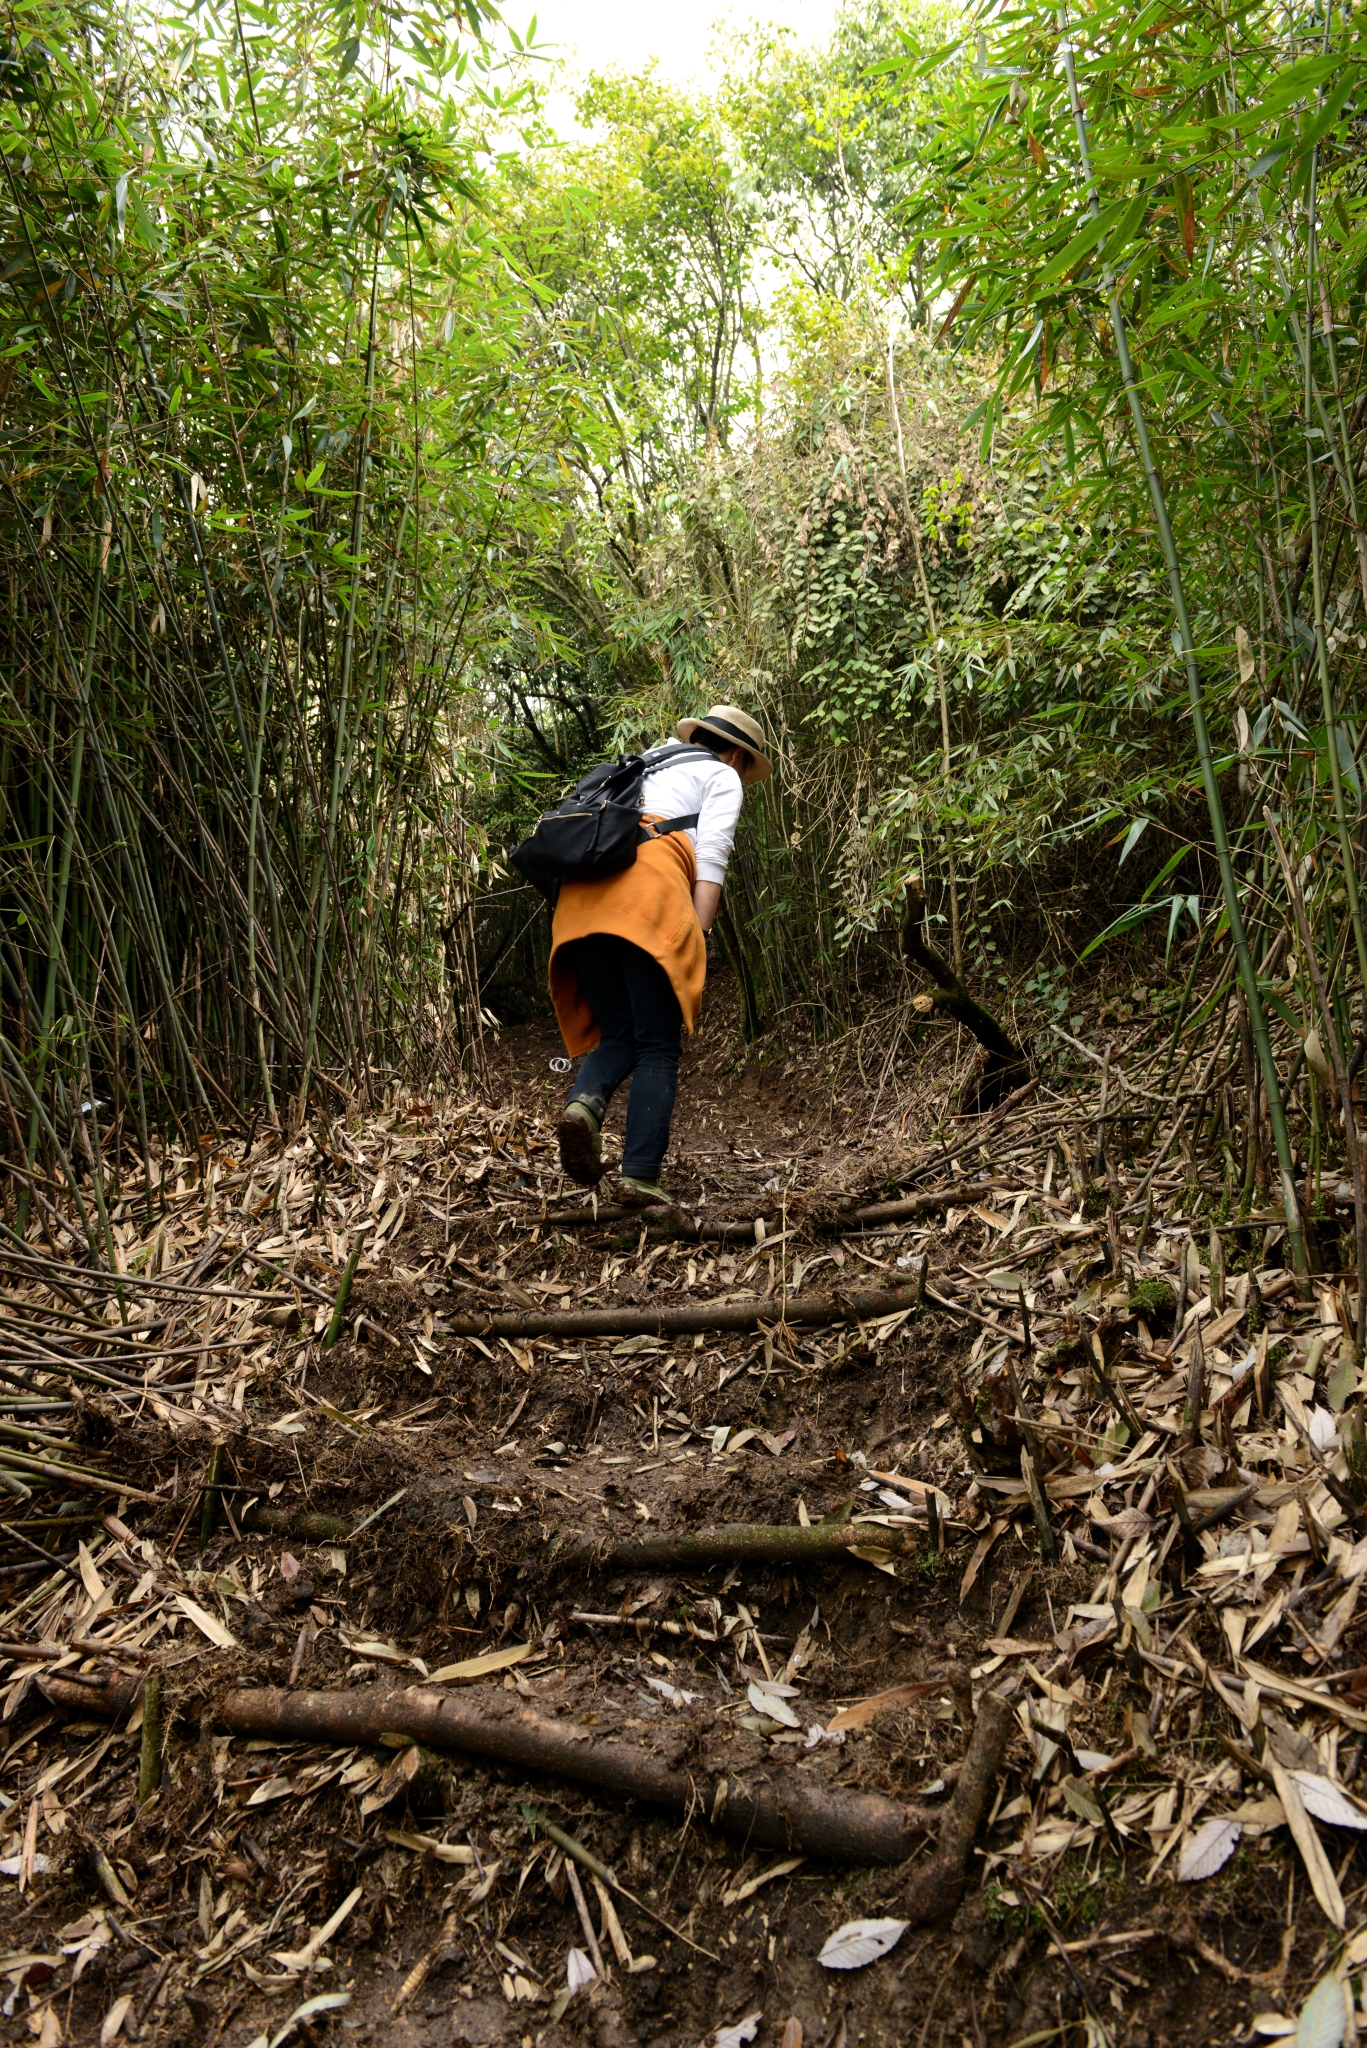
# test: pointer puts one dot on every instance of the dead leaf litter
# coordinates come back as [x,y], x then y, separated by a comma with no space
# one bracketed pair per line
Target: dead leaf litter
[1101,1461]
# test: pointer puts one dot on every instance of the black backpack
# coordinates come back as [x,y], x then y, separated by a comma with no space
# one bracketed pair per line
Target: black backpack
[595,830]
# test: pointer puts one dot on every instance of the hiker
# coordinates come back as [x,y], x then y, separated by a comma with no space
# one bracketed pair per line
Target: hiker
[629,952]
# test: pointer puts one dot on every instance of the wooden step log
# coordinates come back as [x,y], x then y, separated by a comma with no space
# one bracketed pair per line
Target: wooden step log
[773,1807]
[688,1319]
[868,1216]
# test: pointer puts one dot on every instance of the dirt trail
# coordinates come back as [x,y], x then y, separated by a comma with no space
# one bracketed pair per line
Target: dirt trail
[484,1458]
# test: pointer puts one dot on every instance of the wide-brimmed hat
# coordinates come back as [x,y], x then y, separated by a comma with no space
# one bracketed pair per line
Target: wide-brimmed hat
[740,729]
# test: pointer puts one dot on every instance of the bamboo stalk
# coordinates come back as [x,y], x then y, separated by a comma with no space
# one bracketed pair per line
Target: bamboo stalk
[1214,805]
[149,1762]
[861,1305]
[1350,1134]
[956,952]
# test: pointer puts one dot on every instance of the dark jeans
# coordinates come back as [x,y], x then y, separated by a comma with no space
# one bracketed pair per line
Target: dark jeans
[637,1011]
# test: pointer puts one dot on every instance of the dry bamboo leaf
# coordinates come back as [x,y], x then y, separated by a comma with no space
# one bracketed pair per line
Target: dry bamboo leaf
[579,1971]
[429,1845]
[1338,1617]
[767,1699]
[739,2034]
[471,1668]
[860,1942]
[90,1578]
[1324,2018]
[378,1652]
[611,1925]
[394,1778]
[1208,1850]
[863,1711]
[734,1893]
[273,1789]
[305,1957]
[1327,1801]
[1322,1880]
[207,1624]
[113,2020]
[980,1550]
[326,2001]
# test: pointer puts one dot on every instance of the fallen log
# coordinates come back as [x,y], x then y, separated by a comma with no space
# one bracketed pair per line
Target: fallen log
[937,1886]
[679,1320]
[737,1543]
[781,1809]
[906,1209]
[1003,1068]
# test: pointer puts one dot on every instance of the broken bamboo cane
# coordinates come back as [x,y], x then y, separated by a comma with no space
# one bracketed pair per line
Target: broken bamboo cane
[860,1306]
[778,1809]
[107,1693]
[730,1543]
[314,1528]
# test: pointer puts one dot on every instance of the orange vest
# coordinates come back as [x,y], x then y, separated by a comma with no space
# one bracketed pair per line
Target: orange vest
[650,903]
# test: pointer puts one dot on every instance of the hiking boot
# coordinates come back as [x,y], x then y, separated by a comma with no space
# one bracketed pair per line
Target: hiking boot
[581,1144]
[644,1194]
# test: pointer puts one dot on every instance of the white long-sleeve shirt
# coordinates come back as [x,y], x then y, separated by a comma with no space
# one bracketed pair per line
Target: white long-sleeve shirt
[701,783]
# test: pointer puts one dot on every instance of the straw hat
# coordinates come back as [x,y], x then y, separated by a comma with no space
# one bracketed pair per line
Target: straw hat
[740,729]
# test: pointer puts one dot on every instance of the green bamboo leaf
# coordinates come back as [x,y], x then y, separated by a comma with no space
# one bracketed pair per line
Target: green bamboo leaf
[1282,1009]
[1133,837]
[1126,922]
[1329,114]
[1082,242]
[1169,867]
[1270,160]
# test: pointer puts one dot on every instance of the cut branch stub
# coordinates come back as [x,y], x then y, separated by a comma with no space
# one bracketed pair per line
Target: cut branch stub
[937,1886]
[1003,1066]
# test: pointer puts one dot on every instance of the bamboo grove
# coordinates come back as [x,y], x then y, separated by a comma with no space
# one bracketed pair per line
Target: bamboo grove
[262,428]
[977,397]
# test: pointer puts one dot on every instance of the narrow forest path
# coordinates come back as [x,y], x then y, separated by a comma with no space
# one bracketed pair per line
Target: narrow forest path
[1164,1603]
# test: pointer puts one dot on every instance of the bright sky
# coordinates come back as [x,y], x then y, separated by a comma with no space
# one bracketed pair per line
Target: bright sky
[594,35]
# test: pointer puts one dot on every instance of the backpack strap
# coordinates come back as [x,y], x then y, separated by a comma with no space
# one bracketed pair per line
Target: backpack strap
[663,831]
[674,750]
